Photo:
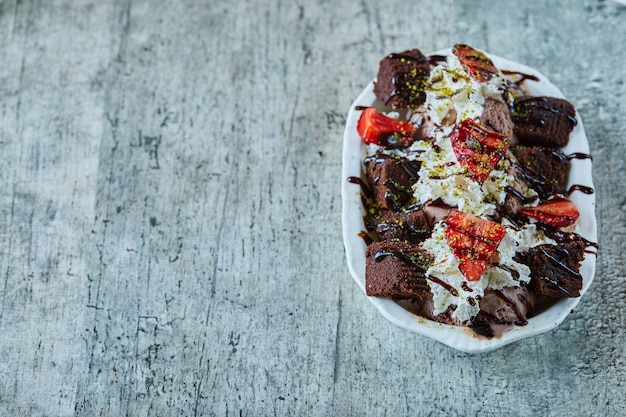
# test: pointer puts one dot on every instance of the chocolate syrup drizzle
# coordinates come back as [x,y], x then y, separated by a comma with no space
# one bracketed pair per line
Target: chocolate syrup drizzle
[523,76]
[582,188]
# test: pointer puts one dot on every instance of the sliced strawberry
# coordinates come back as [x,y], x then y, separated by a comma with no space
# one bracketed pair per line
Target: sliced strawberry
[465,244]
[478,148]
[487,230]
[379,129]
[556,212]
[472,269]
[475,63]
[473,240]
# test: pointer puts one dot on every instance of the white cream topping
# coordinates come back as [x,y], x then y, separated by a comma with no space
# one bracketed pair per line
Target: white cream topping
[441,176]
[451,88]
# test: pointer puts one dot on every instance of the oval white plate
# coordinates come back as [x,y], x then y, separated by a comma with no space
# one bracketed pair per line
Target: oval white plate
[462,338]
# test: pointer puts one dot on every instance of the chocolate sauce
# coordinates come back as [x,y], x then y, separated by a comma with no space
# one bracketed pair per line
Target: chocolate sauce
[523,76]
[411,168]
[434,60]
[510,270]
[563,237]
[582,188]
[356,180]
[366,192]
[525,200]
[361,108]
[382,254]
[579,155]
[575,155]
[536,181]
[466,287]
[445,285]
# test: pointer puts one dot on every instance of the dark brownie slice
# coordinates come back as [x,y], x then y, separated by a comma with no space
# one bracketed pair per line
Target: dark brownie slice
[543,121]
[406,226]
[554,269]
[496,116]
[391,179]
[545,169]
[401,79]
[396,270]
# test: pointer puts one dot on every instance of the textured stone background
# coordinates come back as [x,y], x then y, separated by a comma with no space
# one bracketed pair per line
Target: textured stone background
[170,211]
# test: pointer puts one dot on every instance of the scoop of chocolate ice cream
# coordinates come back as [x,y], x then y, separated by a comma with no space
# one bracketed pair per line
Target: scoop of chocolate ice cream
[508,305]
[496,115]
[423,122]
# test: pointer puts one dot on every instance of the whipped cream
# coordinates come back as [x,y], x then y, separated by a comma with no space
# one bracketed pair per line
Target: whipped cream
[451,88]
[441,176]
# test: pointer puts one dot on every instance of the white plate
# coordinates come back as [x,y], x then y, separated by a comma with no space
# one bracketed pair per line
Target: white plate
[462,338]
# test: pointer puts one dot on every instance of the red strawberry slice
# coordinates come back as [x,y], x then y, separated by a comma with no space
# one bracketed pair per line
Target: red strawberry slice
[556,212]
[478,148]
[472,269]
[489,231]
[379,129]
[473,240]
[464,244]
[475,63]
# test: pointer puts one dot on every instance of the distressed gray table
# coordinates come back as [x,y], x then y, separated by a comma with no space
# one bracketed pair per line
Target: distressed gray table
[170,211]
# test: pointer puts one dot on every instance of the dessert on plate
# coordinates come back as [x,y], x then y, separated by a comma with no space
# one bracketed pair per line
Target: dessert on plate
[468,217]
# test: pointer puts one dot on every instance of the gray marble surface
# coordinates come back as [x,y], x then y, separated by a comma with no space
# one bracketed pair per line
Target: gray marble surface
[170,211]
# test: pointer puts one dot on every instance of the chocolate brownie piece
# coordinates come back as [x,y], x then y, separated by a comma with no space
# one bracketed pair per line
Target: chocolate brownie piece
[544,169]
[543,121]
[401,79]
[406,226]
[554,269]
[396,270]
[496,116]
[391,178]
